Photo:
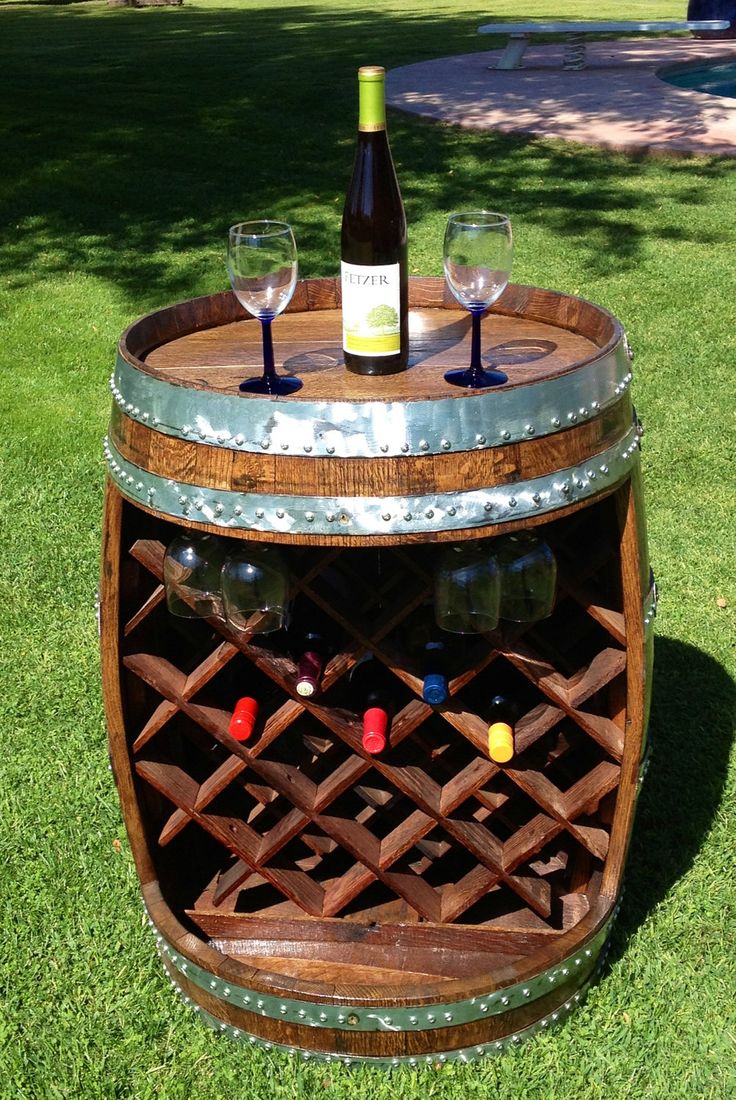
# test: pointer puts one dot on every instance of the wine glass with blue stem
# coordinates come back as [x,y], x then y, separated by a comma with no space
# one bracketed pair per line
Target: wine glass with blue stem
[262,264]
[477,256]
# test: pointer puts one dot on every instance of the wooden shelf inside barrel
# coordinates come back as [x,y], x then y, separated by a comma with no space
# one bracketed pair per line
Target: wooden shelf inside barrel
[263,846]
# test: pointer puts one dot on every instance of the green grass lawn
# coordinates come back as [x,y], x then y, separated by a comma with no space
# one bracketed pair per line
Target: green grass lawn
[130,141]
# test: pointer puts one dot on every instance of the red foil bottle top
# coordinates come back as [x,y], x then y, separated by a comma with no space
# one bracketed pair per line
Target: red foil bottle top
[375,725]
[244,718]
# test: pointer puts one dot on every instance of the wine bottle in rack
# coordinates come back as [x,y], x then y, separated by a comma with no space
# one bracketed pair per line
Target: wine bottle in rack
[244,717]
[312,641]
[502,716]
[371,696]
[373,252]
[434,669]
[430,653]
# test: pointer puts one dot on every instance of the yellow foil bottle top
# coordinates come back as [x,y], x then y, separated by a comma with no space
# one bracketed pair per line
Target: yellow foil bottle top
[500,742]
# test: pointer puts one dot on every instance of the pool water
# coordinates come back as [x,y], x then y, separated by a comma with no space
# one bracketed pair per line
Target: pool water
[717,78]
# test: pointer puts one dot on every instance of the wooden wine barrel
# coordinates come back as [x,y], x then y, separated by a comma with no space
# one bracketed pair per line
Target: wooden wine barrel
[427,904]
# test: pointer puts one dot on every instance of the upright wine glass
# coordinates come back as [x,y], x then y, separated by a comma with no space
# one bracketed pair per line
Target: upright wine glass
[478,251]
[262,264]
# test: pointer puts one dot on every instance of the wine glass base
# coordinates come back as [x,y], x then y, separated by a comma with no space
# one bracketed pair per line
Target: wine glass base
[279,386]
[476,380]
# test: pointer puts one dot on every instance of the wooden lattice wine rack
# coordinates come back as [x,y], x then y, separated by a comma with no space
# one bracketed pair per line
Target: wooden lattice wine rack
[424,903]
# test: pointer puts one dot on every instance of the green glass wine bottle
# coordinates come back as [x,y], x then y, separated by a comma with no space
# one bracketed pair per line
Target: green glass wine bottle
[373,248]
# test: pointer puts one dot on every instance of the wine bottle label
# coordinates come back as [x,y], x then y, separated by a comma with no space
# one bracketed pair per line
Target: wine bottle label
[371,305]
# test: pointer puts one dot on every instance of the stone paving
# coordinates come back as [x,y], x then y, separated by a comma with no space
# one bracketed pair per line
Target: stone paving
[617,102]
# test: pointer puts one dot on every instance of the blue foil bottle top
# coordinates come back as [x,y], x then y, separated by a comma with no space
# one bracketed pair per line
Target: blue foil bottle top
[434,690]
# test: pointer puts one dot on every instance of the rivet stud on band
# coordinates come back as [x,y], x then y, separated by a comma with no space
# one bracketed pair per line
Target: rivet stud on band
[462,1055]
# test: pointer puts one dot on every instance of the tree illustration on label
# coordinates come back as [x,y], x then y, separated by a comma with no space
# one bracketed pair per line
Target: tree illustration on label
[374,331]
[382,317]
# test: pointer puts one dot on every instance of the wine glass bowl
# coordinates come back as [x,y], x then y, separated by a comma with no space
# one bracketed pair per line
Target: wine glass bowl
[192,565]
[255,590]
[528,577]
[477,257]
[262,265]
[467,589]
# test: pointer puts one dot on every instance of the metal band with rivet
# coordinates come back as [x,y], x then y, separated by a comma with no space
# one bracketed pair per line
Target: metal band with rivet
[389,1019]
[644,765]
[463,1055]
[457,510]
[650,608]
[372,428]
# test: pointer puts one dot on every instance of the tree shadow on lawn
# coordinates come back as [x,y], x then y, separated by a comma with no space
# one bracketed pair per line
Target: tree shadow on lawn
[691,736]
[135,138]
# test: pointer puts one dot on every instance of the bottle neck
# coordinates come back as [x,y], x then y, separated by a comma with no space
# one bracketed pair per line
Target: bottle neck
[371,106]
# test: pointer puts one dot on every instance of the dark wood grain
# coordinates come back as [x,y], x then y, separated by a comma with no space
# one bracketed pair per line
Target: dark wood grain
[383,1044]
[110,628]
[632,575]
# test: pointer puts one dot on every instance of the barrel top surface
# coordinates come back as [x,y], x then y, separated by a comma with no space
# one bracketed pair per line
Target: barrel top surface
[212,344]
[183,439]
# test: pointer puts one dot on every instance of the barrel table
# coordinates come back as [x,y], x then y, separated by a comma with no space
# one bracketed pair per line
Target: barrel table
[426,904]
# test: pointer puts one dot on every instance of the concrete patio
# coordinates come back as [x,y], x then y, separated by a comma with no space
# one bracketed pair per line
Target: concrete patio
[617,102]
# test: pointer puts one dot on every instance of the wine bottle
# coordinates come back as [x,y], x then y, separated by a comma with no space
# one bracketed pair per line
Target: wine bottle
[430,655]
[312,642]
[502,714]
[370,684]
[373,270]
[243,720]
[434,660]
[310,666]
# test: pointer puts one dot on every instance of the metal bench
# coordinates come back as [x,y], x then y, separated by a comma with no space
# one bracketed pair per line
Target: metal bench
[519,35]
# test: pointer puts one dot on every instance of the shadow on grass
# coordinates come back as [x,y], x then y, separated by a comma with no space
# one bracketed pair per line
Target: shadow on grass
[691,736]
[133,139]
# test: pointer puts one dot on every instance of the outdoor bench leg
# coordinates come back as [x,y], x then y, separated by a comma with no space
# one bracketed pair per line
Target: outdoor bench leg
[514,51]
[574,57]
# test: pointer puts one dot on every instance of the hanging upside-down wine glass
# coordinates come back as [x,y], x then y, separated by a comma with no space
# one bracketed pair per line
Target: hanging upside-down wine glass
[467,589]
[477,255]
[528,577]
[255,589]
[262,264]
[192,565]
